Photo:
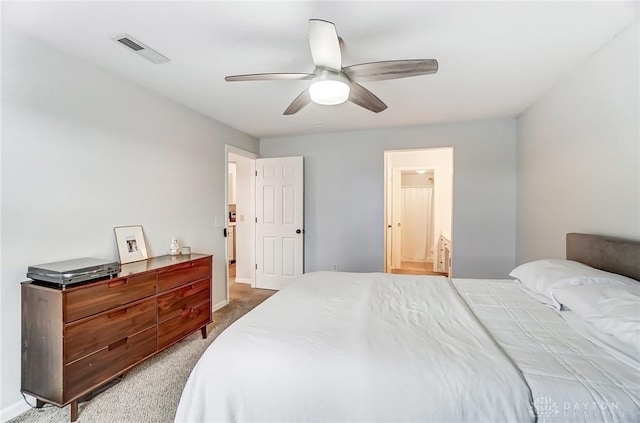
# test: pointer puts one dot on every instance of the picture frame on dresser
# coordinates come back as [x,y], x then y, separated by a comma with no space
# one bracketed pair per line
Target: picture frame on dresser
[130,242]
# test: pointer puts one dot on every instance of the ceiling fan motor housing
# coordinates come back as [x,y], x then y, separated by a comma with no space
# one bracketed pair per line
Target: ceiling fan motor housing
[329,88]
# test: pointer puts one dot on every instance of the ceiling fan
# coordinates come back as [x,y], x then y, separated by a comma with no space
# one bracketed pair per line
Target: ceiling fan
[333,84]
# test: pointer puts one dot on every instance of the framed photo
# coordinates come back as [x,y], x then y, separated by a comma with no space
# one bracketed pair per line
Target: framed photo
[130,242]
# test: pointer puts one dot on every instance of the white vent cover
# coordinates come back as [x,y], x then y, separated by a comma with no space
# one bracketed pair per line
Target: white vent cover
[130,43]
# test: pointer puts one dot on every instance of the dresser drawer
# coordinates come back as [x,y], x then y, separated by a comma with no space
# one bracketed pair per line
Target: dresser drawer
[183,273]
[86,336]
[95,369]
[95,298]
[183,324]
[175,302]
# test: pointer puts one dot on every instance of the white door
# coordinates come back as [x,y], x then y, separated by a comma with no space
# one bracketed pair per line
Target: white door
[279,221]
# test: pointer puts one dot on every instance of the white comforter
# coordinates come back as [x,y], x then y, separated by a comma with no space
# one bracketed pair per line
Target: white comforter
[571,379]
[337,347]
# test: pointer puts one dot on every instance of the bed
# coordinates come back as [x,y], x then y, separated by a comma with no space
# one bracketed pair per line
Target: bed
[349,347]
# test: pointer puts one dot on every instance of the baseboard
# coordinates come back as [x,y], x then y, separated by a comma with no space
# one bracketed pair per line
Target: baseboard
[14,410]
[243,280]
[220,305]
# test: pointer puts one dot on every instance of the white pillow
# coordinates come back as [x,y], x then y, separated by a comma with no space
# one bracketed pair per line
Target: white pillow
[607,310]
[539,278]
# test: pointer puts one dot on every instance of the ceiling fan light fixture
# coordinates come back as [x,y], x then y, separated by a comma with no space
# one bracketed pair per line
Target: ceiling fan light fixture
[329,89]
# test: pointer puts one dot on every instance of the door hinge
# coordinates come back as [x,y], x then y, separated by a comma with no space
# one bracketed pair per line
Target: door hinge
[256,220]
[256,173]
[256,266]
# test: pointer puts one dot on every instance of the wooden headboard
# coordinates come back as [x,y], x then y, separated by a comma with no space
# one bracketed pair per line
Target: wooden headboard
[605,253]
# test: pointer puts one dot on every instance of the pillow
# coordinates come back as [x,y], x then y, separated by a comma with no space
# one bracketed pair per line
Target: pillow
[539,278]
[607,311]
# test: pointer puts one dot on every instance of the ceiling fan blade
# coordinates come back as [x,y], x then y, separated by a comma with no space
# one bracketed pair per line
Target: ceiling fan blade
[391,69]
[364,98]
[324,44]
[300,101]
[269,77]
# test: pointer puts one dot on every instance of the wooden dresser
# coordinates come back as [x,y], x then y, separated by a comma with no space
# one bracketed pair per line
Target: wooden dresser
[77,339]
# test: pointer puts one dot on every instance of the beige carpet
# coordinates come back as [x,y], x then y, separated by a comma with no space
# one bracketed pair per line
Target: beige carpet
[151,391]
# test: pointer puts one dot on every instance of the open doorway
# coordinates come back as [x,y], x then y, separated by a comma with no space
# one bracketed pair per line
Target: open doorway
[419,211]
[240,222]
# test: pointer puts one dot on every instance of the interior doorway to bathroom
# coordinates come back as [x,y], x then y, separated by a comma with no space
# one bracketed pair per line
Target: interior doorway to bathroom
[418,197]
[240,228]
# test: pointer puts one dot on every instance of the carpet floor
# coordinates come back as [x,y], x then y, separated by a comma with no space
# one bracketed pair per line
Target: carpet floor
[150,392]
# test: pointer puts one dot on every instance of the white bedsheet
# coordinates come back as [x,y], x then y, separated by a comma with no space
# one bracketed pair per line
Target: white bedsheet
[571,379]
[337,347]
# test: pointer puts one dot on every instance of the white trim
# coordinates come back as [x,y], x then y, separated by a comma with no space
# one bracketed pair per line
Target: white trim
[251,217]
[14,410]
[388,197]
[221,304]
[243,280]
[240,152]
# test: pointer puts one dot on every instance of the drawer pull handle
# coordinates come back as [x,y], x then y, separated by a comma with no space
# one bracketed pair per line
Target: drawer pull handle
[117,283]
[118,344]
[115,314]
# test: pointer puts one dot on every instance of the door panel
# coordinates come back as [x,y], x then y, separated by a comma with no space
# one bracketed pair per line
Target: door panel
[288,204]
[269,205]
[280,225]
[269,257]
[288,257]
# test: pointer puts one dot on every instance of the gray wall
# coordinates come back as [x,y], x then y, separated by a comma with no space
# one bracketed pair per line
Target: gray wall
[344,184]
[83,151]
[579,154]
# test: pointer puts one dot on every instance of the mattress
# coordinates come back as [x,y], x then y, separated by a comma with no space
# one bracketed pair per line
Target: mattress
[353,347]
[571,379]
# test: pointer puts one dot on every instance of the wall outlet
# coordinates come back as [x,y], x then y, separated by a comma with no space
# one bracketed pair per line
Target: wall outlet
[335,267]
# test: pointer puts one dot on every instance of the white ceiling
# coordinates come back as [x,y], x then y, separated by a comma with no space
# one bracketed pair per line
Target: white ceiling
[496,58]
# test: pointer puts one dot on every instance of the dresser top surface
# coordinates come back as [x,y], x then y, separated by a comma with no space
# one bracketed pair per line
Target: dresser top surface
[157,263]
[128,269]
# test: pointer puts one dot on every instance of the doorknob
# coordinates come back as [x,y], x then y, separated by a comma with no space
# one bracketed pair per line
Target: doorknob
[298,231]
[388,226]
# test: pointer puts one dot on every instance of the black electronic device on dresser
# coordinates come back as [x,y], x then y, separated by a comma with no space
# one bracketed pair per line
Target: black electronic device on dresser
[78,337]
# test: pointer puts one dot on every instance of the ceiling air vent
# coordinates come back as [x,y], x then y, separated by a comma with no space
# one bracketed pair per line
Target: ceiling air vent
[140,49]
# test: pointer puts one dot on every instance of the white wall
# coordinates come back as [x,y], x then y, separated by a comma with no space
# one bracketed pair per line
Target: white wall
[83,151]
[579,154]
[344,179]
[413,179]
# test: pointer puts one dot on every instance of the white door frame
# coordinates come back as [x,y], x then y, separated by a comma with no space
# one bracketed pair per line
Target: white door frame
[250,217]
[389,183]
